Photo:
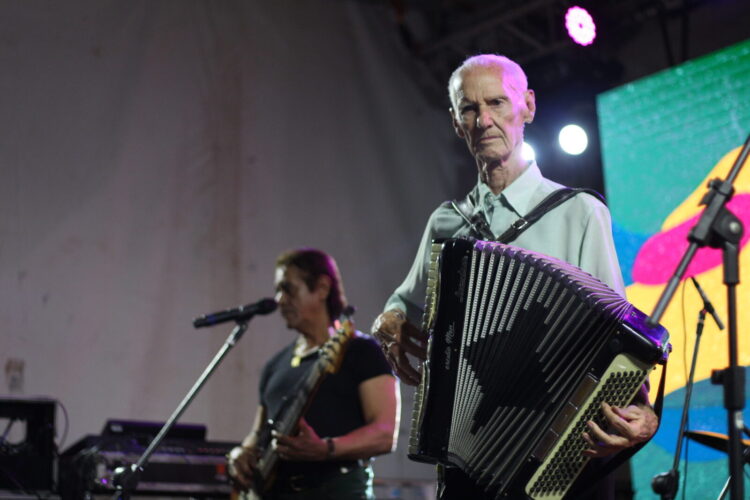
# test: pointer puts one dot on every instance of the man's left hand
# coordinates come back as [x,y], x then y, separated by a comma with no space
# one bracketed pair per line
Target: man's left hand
[627,427]
[305,446]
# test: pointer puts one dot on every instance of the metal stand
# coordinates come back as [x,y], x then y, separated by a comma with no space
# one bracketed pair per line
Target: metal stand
[126,477]
[666,484]
[719,228]
[746,458]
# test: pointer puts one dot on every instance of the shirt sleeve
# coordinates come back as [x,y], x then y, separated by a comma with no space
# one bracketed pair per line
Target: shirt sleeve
[410,295]
[366,358]
[598,256]
[263,383]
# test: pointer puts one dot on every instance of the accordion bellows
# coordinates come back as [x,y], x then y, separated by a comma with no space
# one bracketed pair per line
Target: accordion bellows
[523,349]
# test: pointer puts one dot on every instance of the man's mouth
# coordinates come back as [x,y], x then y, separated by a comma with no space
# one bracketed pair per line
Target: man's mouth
[488,138]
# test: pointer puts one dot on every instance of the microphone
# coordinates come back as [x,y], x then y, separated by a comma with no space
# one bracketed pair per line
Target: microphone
[241,313]
[707,305]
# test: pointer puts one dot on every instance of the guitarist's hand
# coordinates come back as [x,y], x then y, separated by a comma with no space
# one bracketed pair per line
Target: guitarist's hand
[397,337]
[305,446]
[242,461]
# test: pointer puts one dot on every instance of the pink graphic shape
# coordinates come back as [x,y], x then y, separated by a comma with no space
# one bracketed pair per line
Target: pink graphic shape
[659,256]
[580,26]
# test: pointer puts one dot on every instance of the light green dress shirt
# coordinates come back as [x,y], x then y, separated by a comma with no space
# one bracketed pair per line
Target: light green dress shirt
[579,231]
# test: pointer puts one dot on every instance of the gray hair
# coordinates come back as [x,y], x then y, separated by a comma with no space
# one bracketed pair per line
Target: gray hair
[509,67]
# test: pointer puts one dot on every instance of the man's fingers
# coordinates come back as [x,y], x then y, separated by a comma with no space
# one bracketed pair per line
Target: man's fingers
[413,348]
[407,375]
[413,376]
[602,438]
[617,423]
[404,371]
[595,432]
[241,470]
[397,337]
[412,332]
[244,477]
[629,413]
[625,428]
[281,440]
[602,447]
[304,428]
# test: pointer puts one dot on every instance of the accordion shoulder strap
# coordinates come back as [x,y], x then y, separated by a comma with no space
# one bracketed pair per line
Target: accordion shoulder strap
[477,222]
[480,226]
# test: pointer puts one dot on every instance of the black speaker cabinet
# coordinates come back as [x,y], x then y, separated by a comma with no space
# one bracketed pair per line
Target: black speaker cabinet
[27,465]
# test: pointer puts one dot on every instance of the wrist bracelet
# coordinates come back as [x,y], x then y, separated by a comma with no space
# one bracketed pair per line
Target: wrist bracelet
[331,448]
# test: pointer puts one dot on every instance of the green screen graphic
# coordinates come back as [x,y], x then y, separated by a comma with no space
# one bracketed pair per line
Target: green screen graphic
[661,136]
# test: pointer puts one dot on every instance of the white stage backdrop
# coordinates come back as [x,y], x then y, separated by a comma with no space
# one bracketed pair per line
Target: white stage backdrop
[157,155]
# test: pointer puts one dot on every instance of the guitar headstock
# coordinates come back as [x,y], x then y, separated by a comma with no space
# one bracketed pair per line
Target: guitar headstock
[332,352]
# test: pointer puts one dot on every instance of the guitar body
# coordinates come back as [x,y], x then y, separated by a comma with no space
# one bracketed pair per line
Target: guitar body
[285,422]
[244,495]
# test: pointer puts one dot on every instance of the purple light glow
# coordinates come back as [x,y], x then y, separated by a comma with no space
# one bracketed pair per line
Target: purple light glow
[580,26]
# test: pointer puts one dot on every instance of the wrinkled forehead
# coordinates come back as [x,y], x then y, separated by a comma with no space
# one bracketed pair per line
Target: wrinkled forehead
[486,77]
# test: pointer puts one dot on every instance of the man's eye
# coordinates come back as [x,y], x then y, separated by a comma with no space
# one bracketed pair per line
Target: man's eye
[467,109]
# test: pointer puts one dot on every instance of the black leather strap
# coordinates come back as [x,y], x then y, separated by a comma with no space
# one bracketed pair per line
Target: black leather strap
[477,222]
[481,228]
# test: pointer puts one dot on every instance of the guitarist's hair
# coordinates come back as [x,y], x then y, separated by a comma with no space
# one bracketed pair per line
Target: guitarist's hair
[315,263]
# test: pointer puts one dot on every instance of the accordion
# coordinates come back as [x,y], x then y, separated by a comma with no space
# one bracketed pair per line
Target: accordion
[523,349]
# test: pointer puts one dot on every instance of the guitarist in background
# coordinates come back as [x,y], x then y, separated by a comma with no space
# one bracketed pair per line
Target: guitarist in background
[354,414]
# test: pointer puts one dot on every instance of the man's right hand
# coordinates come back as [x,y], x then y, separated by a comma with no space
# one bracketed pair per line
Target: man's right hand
[397,337]
[242,461]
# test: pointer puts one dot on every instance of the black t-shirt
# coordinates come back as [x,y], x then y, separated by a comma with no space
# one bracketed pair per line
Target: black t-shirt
[336,409]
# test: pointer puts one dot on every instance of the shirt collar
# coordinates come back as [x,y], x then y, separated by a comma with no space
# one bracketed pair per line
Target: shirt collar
[520,191]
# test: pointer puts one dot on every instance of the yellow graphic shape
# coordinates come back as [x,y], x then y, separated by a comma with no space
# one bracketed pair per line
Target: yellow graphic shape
[681,316]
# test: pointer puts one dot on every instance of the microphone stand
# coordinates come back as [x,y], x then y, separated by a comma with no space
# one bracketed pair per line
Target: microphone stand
[126,477]
[746,458]
[666,484]
[720,228]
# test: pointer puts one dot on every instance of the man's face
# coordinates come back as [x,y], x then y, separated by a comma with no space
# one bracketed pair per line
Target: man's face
[299,306]
[491,113]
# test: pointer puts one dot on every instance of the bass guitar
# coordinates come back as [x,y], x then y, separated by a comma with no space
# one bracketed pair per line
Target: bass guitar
[285,422]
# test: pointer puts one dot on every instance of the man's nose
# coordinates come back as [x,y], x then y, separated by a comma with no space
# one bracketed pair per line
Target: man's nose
[484,120]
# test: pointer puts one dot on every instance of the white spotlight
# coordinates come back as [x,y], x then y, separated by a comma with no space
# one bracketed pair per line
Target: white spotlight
[527,152]
[573,139]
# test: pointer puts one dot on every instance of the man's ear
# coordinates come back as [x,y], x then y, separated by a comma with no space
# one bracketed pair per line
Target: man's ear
[530,99]
[323,286]
[456,125]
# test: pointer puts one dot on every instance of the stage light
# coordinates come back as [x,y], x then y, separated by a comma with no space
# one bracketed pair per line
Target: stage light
[527,152]
[580,26]
[573,139]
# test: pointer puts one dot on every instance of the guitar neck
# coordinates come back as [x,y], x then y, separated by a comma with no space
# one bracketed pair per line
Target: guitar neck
[302,400]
